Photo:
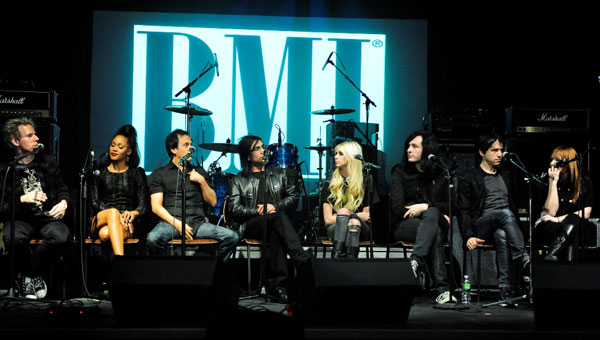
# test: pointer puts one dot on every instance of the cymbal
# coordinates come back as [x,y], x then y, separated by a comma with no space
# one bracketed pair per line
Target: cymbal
[332,111]
[195,110]
[318,148]
[223,147]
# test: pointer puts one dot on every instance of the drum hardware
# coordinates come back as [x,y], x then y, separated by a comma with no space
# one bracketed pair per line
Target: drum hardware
[332,111]
[223,147]
[194,110]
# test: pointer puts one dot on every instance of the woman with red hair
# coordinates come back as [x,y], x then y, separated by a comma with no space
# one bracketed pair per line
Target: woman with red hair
[569,199]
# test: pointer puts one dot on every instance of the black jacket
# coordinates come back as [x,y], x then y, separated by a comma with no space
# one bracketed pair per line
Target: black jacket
[242,200]
[471,195]
[410,186]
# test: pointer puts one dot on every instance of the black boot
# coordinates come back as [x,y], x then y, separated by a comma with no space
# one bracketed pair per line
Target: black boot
[560,243]
[338,249]
[353,252]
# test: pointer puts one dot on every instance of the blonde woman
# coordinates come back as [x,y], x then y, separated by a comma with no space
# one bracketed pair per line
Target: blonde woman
[346,208]
[569,195]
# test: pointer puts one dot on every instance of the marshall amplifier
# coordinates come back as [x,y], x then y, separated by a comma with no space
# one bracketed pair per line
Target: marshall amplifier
[529,121]
[32,104]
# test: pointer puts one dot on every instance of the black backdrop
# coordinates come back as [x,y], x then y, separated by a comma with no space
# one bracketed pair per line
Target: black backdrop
[516,54]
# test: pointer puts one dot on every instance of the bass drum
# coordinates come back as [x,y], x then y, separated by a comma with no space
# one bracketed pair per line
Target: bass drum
[283,156]
[220,183]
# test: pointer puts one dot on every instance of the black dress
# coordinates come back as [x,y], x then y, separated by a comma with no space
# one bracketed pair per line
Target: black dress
[122,191]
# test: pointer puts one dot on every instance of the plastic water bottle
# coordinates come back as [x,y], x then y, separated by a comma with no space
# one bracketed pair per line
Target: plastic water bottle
[466,291]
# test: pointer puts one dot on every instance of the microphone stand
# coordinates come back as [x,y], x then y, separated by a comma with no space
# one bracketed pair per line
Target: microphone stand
[183,207]
[83,194]
[528,178]
[368,101]
[13,165]
[449,175]
[263,232]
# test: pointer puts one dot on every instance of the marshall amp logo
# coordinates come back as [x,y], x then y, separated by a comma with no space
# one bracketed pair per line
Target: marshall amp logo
[262,78]
[549,121]
[11,100]
[546,117]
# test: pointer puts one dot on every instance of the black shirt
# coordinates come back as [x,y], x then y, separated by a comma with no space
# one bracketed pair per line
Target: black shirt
[261,188]
[123,191]
[168,179]
[365,203]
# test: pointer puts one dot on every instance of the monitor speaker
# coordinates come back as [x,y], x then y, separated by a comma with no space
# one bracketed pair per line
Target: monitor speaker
[377,291]
[170,291]
[565,294]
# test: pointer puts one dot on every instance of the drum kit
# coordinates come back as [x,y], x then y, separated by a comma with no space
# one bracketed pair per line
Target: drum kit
[284,155]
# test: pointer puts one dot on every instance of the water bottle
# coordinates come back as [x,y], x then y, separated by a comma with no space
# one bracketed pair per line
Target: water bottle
[466,291]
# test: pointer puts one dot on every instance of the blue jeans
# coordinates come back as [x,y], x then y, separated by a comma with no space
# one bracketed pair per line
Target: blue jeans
[502,226]
[163,232]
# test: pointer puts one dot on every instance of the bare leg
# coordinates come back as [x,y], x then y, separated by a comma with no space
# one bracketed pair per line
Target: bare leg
[109,222]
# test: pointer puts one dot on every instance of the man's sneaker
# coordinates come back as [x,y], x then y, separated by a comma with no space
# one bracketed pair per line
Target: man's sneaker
[39,286]
[506,295]
[418,273]
[26,289]
[445,297]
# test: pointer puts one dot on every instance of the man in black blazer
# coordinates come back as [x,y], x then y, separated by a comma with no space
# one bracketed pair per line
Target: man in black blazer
[488,211]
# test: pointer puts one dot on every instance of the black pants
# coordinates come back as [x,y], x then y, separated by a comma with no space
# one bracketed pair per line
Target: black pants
[54,235]
[428,231]
[281,239]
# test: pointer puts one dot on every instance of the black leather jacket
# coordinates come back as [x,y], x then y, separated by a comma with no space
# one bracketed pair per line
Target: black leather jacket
[242,201]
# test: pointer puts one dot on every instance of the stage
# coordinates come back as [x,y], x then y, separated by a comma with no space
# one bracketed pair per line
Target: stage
[90,318]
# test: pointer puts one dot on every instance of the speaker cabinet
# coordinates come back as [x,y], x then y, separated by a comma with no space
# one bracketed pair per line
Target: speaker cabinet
[565,294]
[170,291]
[376,291]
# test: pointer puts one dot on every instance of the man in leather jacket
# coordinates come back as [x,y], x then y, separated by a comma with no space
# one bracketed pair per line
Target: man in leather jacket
[249,203]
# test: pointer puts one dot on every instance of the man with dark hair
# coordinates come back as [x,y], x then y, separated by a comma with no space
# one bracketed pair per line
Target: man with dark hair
[488,211]
[251,197]
[419,203]
[166,186]
[41,200]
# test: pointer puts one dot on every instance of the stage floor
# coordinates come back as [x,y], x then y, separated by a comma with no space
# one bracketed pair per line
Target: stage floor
[87,318]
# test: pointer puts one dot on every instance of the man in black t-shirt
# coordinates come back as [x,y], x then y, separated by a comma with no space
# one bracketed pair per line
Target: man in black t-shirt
[166,184]
[41,200]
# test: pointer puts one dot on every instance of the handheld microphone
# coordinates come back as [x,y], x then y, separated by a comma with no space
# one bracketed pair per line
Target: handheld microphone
[327,62]
[360,158]
[216,64]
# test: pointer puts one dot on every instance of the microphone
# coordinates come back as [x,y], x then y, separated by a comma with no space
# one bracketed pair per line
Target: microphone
[188,155]
[360,158]
[216,64]
[39,148]
[94,166]
[327,62]
[279,136]
[507,154]
[562,162]
[432,157]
